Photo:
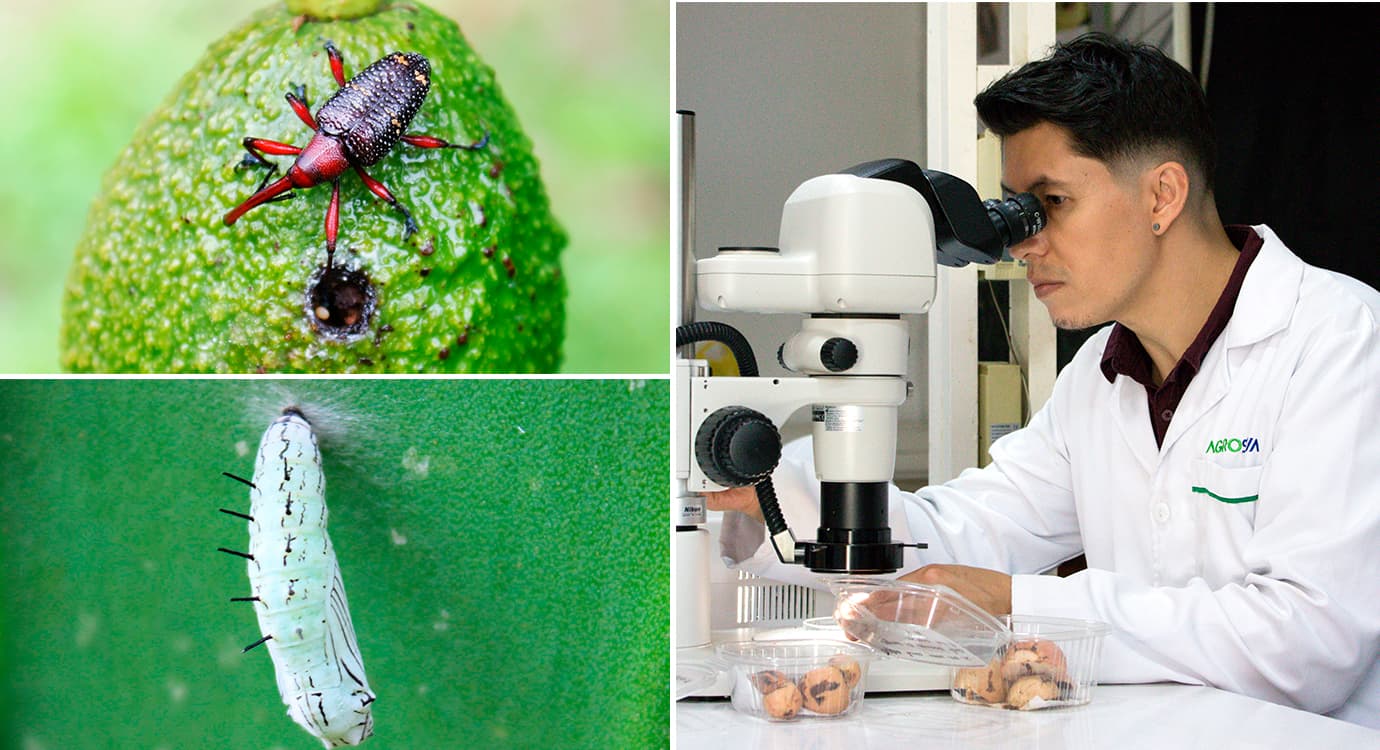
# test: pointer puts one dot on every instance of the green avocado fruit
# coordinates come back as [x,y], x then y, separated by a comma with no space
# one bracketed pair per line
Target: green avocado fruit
[161,284]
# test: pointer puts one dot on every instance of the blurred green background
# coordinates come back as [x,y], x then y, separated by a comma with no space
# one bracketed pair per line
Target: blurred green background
[589,80]
[503,544]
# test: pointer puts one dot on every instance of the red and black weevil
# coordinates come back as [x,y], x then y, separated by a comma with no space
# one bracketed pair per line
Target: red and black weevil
[355,128]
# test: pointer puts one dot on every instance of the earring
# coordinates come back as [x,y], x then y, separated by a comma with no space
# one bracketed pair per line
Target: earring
[1155,227]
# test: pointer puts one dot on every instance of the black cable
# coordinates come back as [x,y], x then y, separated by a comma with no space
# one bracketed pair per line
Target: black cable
[771,510]
[709,330]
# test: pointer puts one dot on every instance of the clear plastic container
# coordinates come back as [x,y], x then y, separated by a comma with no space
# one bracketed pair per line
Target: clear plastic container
[1024,662]
[790,680]
[918,622]
[1047,662]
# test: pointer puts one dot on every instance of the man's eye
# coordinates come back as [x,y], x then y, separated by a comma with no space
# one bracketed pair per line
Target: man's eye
[1055,200]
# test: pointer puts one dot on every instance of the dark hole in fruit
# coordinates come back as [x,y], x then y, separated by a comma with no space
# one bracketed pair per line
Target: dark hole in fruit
[340,302]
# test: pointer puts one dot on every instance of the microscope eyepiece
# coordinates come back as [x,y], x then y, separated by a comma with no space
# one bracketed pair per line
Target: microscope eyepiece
[966,228]
[1017,218]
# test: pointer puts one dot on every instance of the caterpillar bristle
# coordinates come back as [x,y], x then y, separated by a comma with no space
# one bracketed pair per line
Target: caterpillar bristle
[238,479]
[255,643]
[240,515]
[245,555]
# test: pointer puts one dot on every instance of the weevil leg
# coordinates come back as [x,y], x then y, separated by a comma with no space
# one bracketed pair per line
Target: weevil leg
[332,222]
[421,140]
[298,102]
[264,195]
[254,160]
[377,188]
[257,147]
[258,162]
[337,63]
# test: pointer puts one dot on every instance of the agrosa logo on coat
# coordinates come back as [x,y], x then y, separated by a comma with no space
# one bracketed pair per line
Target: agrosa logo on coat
[1233,445]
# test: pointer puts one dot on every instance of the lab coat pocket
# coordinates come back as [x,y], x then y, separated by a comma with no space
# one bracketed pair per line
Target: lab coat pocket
[1226,485]
[1223,501]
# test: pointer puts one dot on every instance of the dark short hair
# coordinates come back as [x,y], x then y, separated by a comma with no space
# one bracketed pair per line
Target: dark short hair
[1118,101]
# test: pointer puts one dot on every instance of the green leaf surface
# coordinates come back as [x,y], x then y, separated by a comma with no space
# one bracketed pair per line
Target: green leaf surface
[503,545]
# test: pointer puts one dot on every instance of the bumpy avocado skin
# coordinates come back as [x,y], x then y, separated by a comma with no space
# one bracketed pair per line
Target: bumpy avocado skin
[160,284]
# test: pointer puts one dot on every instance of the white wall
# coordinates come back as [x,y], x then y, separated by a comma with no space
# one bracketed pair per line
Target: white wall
[784,92]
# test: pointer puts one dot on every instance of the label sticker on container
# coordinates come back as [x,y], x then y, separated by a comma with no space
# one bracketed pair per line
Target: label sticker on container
[838,418]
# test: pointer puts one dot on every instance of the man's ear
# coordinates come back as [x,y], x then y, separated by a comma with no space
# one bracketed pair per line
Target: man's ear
[1168,184]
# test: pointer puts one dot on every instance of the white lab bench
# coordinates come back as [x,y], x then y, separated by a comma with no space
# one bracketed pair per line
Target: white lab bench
[1119,716]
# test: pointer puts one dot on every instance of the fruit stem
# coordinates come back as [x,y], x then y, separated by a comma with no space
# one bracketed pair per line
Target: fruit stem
[334,10]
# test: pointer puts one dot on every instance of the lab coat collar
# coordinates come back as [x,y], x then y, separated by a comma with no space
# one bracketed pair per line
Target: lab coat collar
[1269,294]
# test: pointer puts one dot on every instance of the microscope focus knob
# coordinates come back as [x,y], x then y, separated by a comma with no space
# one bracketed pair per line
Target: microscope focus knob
[737,446]
[838,354]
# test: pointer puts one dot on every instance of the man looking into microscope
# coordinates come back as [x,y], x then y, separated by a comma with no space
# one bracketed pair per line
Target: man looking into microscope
[1213,453]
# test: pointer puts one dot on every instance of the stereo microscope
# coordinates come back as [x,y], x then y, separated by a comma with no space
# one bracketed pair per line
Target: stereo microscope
[856,251]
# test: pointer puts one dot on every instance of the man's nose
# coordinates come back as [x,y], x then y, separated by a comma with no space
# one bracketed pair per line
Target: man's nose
[1032,247]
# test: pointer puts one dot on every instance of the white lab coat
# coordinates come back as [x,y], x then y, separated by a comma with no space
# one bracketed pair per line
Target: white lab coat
[1276,597]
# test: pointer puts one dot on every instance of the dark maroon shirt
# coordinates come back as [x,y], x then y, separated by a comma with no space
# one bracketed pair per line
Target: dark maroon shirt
[1125,355]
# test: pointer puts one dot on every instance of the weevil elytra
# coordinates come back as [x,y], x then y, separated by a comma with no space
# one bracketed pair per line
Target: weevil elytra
[354,129]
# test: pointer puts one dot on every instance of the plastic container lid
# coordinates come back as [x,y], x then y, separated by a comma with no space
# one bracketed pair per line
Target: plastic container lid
[787,654]
[932,624]
[803,632]
[815,627]
[692,678]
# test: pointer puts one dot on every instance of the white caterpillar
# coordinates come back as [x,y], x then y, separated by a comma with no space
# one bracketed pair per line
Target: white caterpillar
[298,594]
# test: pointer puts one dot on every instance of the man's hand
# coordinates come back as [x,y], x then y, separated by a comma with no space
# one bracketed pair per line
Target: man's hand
[988,589]
[741,499]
